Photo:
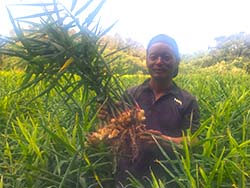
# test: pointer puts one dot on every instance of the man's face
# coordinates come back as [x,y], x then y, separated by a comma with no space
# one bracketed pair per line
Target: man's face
[161,61]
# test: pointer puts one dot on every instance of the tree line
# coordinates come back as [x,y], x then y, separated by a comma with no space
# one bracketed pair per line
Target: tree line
[129,56]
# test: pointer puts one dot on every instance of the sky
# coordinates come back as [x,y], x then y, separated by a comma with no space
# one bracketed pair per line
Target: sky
[193,23]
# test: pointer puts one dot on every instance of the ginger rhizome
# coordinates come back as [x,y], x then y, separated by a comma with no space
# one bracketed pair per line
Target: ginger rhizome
[121,132]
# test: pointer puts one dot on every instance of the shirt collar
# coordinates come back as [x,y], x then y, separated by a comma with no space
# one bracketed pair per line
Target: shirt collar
[174,90]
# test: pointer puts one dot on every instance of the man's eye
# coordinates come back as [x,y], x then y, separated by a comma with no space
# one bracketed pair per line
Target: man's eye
[166,57]
[153,57]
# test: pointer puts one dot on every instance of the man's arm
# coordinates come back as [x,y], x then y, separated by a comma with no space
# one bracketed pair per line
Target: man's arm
[149,136]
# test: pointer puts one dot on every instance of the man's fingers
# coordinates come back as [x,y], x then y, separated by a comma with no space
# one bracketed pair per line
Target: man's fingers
[146,138]
[154,132]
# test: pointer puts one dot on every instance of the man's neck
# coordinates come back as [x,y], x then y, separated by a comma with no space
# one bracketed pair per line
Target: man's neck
[160,86]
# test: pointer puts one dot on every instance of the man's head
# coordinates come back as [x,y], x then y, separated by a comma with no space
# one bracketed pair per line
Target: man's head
[159,47]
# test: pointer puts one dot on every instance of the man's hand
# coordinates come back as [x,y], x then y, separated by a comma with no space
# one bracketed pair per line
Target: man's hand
[147,140]
[176,140]
[148,137]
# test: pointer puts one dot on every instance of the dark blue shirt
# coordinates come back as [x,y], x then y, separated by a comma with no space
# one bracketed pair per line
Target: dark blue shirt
[174,112]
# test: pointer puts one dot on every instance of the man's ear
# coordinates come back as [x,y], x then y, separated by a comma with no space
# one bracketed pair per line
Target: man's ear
[175,72]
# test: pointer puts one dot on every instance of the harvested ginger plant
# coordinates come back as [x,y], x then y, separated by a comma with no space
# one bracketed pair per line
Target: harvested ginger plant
[121,133]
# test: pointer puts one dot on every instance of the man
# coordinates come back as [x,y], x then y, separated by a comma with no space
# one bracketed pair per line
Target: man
[169,110]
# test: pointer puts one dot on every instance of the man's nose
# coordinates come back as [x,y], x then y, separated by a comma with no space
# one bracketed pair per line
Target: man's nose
[159,60]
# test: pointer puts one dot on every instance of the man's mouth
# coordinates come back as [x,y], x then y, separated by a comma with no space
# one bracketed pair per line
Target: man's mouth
[159,70]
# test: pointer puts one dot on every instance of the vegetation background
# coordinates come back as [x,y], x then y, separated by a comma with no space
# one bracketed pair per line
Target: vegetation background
[47,111]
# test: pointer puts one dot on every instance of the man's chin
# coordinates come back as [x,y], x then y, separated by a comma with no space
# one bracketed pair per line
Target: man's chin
[160,77]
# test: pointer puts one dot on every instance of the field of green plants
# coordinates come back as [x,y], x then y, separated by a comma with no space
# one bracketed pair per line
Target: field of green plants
[43,141]
[49,107]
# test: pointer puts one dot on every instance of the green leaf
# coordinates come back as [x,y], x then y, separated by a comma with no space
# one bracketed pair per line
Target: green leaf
[68,169]
[33,4]
[37,15]
[79,11]
[73,5]
[93,14]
